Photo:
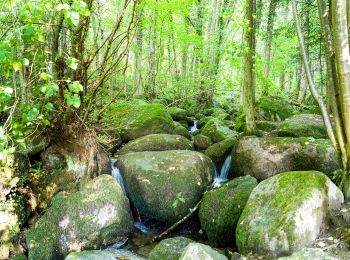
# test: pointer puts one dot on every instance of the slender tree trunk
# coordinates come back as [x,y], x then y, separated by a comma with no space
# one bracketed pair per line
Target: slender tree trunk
[249,73]
[138,52]
[152,58]
[268,41]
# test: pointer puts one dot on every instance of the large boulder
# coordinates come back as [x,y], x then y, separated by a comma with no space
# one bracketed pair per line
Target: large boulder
[181,130]
[219,151]
[273,109]
[195,251]
[267,156]
[201,142]
[286,213]
[165,185]
[107,254]
[221,208]
[303,125]
[156,142]
[217,130]
[177,113]
[170,249]
[93,217]
[136,119]
[309,254]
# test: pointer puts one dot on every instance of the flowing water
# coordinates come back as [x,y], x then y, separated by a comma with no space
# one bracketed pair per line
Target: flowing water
[194,128]
[224,171]
[117,175]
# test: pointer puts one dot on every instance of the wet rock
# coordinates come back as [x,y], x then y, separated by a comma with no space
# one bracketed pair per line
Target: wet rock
[96,215]
[286,213]
[170,249]
[217,130]
[309,253]
[303,125]
[156,142]
[218,152]
[201,142]
[267,156]
[181,130]
[165,185]
[36,143]
[221,208]
[195,251]
[107,254]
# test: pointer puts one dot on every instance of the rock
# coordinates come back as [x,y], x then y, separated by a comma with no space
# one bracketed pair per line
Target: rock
[213,110]
[217,130]
[165,185]
[273,108]
[221,116]
[184,123]
[218,152]
[267,156]
[195,251]
[170,249]
[107,254]
[221,208]
[138,119]
[12,216]
[303,125]
[267,126]
[36,143]
[309,254]
[286,213]
[156,142]
[201,142]
[177,113]
[93,217]
[181,130]
[204,120]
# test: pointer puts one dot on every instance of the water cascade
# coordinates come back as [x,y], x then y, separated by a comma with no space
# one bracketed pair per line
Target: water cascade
[224,171]
[117,175]
[194,128]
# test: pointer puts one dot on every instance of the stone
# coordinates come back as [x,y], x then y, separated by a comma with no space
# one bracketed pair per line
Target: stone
[201,142]
[273,109]
[267,156]
[181,130]
[219,151]
[195,251]
[286,213]
[156,142]
[309,254]
[165,185]
[95,216]
[221,208]
[170,248]
[303,125]
[217,130]
[106,254]
[177,113]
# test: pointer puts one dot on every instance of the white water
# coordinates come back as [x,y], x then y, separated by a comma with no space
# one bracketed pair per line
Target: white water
[142,227]
[117,175]
[224,171]
[194,128]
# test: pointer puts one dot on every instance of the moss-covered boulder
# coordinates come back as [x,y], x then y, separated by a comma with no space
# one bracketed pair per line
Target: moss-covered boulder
[204,120]
[267,156]
[156,142]
[221,208]
[107,254]
[217,130]
[309,254]
[303,125]
[165,185]
[181,130]
[201,142]
[221,116]
[286,213]
[177,113]
[35,143]
[195,251]
[137,118]
[170,248]
[95,216]
[267,126]
[273,109]
[218,152]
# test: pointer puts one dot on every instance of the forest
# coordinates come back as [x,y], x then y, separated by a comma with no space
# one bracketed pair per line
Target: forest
[174,129]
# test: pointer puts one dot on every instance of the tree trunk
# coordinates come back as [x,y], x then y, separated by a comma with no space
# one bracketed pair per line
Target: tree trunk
[249,73]
[138,53]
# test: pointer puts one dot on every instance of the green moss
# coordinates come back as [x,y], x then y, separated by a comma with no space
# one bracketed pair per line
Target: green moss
[217,152]
[217,130]
[177,113]
[274,109]
[201,142]
[169,249]
[267,214]
[221,208]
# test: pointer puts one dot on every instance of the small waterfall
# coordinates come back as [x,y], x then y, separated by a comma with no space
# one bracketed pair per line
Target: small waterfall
[117,175]
[224,171]
[194,128]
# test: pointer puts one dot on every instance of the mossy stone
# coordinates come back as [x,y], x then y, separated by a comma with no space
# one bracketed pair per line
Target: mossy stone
[217,130]
[177,113]
[169,249]
[286,212]
[181,130]
[218,152]
[221,208]
[267,156]
[303,125]
[274,108]
[156,142]
[201,142]
[196,251]
[155,180]
[93,217]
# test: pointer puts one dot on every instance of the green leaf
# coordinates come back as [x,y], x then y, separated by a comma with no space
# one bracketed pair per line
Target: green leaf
[25,62]
[75,87]
[61,7]
[72,63]
[73,100]
[73,18]
[45,76]
[32,114]
[49,106]
[182,200]
[174,205]
[16,66]
[49,89]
